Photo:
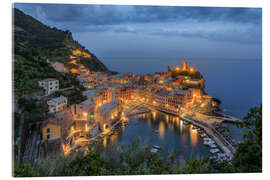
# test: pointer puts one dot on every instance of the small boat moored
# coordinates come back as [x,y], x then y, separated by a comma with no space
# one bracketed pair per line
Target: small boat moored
[155,149]
[185,122]
[203,135]
[215,150]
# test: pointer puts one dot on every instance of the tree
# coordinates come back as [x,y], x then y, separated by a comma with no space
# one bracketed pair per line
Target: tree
[248,157]
[128,159]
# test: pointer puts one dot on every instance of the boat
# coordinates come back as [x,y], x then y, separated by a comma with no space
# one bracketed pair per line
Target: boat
[196,128]
[156,147]
[185,122]
[215,150]
[212,145]
[156,131]
[153,150]
[203,135]
[207,139]
[206,142]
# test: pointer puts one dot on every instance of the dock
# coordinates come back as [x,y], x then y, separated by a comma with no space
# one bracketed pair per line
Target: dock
[222,143]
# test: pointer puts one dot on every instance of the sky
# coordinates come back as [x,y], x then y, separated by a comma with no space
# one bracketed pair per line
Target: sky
[168,32]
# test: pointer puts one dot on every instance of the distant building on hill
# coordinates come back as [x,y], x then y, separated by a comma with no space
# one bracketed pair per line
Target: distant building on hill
[50,85]
[58,66]
[57,104]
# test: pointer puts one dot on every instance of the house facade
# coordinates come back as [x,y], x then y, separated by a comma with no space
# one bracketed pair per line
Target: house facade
[106,115]
[50,129]
[50,85]
[57,104]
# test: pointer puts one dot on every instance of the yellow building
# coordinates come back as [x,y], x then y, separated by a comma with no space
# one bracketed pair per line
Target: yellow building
[50,129]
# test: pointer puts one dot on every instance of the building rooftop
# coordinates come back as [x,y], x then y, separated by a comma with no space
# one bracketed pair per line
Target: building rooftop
[87,102]
[58,99]
[107,107]
[48,79]
[91,93]
[180,91]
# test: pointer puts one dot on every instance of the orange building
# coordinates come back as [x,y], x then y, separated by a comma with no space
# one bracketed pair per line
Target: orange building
[50,129]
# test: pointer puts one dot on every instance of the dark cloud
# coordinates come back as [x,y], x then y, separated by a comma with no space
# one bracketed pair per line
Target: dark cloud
[241,25]
[117,14]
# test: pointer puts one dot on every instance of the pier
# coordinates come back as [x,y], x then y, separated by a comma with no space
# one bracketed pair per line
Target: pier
[223,144]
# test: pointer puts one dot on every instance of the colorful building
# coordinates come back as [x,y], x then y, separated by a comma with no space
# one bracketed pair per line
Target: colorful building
[106,115]
[58,66]
[57,104]
[50,129]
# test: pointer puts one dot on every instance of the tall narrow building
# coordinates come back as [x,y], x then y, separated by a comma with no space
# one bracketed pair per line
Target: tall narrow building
[185,65]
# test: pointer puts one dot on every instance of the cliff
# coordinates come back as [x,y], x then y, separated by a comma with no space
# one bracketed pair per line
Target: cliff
[51,43]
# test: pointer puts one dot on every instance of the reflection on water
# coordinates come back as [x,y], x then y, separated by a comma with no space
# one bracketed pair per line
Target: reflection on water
[113,138]
[181,126]
[154,114]
[149,121]
[172,134]
[161,129]
[193,136]
[167,118]
[105,141]
[184,138]
[177,120]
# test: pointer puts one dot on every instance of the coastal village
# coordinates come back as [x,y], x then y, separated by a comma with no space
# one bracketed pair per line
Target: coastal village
[73,115]
[111,99]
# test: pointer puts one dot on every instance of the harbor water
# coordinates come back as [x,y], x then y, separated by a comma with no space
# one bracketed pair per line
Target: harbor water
[167,131]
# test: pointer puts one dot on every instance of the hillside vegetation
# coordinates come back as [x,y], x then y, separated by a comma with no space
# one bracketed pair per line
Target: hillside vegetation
[51,43]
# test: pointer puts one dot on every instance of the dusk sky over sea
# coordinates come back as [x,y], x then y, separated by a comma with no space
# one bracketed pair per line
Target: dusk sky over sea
[117,31]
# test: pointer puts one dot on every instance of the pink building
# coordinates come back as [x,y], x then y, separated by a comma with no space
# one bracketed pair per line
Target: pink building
[58,66]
